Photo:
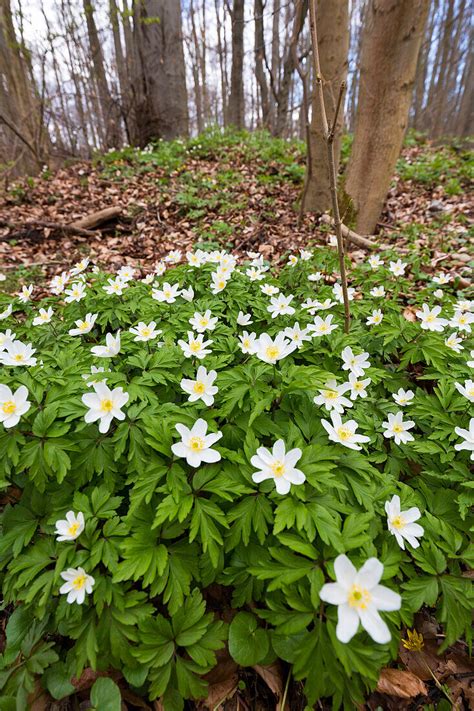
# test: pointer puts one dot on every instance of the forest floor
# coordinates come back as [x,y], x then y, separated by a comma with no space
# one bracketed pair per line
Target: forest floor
[239,192]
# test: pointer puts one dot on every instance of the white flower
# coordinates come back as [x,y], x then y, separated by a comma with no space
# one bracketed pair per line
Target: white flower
[344,432]
[3,276]
[203,322]
[255,273]
[454,342]
[332,241]
[244,319]
[160,268]
[375,261]
[219,283]
[148,279]
[94,371]
[305,254]
[324,305]
[70,528]
[188,294]
[466,390]
[173,257]
[194,259]
[332,397]
[292,260]
[247,342]
[6,313]
[280,305]
[398,268]
[357,364]
[462,320]
[168,293]
[25,293]
[6,339]
[126,273]
[80,267]
[13,405]
[376,318]
[442,278]
[145,332]
[83,325]
[359,598]
[77,584]
[397,428]
[439,293]
[45,316]
[278,465]
[401,523]
[115,286]
[358,387]
[403,397]
[297,335]
[317,276]
[75,293]
[321,326]
[196,347]
[430,320]
[377,291]
[112,347]
[338,293]
[464,305]
[468,436]
[269,289]
[196,444]
[202,388]
[272,350]
[58,283]
[104,404]
[18,353]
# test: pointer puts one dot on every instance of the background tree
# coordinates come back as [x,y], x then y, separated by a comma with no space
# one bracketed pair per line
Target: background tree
[236,107]
[391,42]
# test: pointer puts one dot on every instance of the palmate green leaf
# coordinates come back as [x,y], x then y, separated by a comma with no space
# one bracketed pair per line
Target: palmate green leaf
[105,695]
[205,522]
[420,590]
[144,558]
[284,569]
[253,513]
[456,607]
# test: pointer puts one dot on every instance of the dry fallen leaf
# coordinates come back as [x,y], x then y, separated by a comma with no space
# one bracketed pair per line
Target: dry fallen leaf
[273,677]
[403,684]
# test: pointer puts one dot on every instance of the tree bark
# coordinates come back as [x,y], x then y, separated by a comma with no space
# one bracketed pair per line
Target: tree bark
[236,107]
[390,47]
[333,36]
[283,95]
[161,108]
[259,62]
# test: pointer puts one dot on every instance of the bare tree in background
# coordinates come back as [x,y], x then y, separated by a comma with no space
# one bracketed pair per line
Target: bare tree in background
[159,81]
[333,39]
[236,107]
[391,42]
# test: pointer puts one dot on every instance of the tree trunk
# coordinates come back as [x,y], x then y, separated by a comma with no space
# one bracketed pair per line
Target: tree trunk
[289,66]
[390,47]
[109,109]
[259,59]
[221,52]
[236,108]
[333,38]
[161,109]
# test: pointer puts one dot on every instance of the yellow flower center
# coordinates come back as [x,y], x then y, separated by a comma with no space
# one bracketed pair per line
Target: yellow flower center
[470,392]
[196,444]
[246,343]
[195,346]
[324,328]
[272,352]
[398,428]
[359,597]
[19,357]
[106,405]
[462,319]
[203,322]
[73,528]
[9,407]
[397,522]
[278,468]
[199,387]
[430,318]
[358,386]
[167,293]
[146,332]
[330,394]
[79,582]
[83,326]
[344,433]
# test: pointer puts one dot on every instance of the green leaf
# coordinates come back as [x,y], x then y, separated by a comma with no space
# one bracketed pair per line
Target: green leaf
[248,643]
[105,695]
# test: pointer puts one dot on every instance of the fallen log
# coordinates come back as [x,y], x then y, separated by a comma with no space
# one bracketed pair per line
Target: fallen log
[29,230]
[350,235]
[95,219]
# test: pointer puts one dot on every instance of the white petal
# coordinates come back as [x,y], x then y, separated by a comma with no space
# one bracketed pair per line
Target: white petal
[385,599]
[345,571]
[347,623]
[333,593]
[375,626]
[370,573]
